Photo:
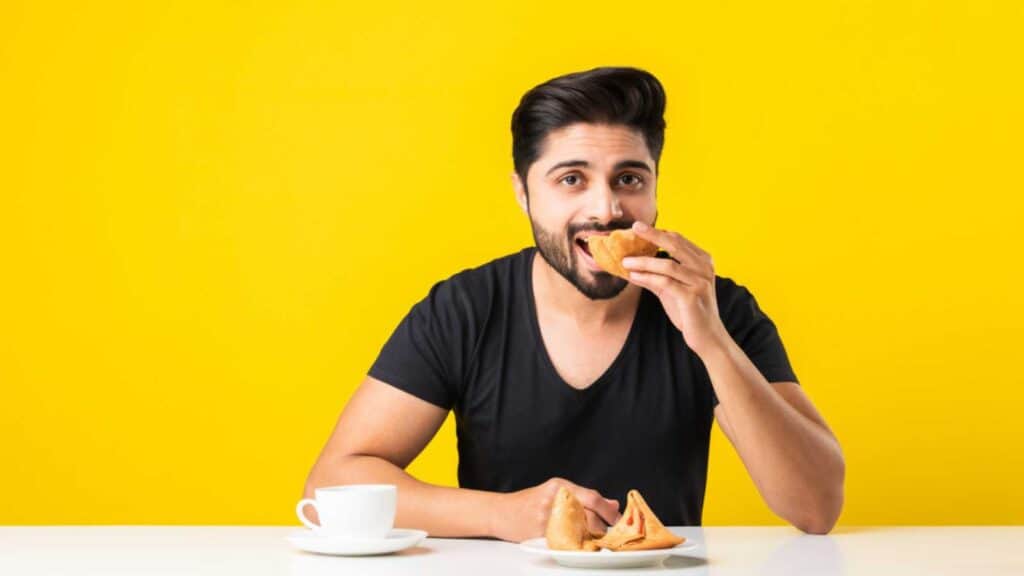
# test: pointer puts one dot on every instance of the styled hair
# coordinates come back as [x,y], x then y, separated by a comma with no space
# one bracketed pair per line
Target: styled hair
[608,95]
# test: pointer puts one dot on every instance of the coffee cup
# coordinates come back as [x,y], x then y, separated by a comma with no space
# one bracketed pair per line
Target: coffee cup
[353,511]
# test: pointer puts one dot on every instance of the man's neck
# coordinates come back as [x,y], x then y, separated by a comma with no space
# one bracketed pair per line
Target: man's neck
[555,294]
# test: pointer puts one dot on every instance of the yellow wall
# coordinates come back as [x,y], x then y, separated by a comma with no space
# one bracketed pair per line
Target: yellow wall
[211,217]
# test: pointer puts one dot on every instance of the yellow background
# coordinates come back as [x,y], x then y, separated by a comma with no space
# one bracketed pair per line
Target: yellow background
[213,214]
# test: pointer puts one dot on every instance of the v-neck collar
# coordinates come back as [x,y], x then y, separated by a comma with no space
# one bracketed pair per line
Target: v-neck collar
[542,347]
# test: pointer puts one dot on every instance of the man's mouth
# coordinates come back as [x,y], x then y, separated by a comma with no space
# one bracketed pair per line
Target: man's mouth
[584,247]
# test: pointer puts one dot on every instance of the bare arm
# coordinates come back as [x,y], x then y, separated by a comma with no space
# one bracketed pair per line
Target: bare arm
[788,450]
[382,429]
[792,456]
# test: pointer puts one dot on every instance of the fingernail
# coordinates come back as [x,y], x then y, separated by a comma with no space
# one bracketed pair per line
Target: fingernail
[640,226]
[628,262]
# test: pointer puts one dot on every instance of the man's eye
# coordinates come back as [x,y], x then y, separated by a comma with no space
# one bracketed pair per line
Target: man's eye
[571,179]
[630,180]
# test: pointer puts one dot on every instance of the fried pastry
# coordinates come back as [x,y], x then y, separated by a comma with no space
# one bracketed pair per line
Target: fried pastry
[567,524]
[638,529]
[608,251]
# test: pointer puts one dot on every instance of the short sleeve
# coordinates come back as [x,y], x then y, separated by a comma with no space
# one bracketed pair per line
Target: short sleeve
[423,355]
[753,331]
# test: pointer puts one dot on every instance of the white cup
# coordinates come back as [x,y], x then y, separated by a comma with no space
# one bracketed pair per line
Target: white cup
[355,511]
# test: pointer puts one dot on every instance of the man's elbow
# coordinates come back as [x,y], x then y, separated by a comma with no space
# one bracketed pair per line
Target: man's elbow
[312,483]
[820,515]
[817,522]
[332,471]
[319,475]
[819,509]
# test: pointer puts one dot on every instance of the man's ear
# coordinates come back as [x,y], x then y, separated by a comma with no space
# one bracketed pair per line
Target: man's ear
[520,188]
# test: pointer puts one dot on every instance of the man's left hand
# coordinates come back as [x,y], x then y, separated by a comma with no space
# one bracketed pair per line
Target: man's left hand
[685,285]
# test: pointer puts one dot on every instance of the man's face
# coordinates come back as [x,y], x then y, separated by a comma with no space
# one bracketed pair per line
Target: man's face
[589,179]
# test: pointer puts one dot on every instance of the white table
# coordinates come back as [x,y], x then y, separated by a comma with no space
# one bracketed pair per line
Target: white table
[253,551]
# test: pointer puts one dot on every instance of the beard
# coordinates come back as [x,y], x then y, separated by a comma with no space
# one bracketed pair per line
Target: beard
[558,251]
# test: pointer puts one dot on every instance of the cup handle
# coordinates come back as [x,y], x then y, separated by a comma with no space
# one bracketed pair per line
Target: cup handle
[302,517]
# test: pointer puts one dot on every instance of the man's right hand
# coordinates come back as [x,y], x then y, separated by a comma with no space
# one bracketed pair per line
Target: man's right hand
[524,514]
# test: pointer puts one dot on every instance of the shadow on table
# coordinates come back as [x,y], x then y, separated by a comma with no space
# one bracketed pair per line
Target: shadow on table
[805,554]
[694,564]
[310,564]
[689,565]
[838,530]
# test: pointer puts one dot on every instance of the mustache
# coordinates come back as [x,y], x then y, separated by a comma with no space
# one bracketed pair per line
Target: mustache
[575,229]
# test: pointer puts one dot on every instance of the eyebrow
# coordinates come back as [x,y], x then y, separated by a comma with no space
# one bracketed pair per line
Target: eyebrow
[639,164]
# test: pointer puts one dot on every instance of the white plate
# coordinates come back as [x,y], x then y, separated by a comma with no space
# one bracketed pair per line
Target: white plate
[605,558]
[397,539]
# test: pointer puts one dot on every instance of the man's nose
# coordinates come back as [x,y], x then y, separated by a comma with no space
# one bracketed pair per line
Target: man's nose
[603,204]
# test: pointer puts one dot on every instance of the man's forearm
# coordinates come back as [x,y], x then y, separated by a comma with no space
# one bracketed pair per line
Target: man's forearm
[441,511]
[795,462]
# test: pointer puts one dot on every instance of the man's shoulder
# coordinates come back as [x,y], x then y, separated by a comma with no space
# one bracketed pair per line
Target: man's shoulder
[479,285]
[502,269]
[727,289]
[736,304]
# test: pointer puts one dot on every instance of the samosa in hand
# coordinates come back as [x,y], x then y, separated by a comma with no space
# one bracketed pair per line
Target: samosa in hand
[567,524]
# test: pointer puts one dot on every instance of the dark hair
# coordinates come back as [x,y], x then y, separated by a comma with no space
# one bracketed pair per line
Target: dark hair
[607,95]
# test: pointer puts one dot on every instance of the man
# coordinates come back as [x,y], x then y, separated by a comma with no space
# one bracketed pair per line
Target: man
[562,374]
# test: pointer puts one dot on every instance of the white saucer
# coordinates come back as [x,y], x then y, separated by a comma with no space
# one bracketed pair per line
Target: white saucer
[605,558]
[397,539]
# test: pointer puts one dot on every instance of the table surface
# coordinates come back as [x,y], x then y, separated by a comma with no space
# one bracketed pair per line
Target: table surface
[257,550]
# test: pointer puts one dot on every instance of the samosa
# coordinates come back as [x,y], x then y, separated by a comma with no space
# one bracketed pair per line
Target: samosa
[567,524]
[638,529]
[609,250]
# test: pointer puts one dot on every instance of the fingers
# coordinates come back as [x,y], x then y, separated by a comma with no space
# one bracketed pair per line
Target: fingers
[595,525]
[656,283]
[674,243]
[606,508]
[665,267]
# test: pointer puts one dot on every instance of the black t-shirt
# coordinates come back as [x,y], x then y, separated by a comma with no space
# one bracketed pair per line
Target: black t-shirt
[474,345]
